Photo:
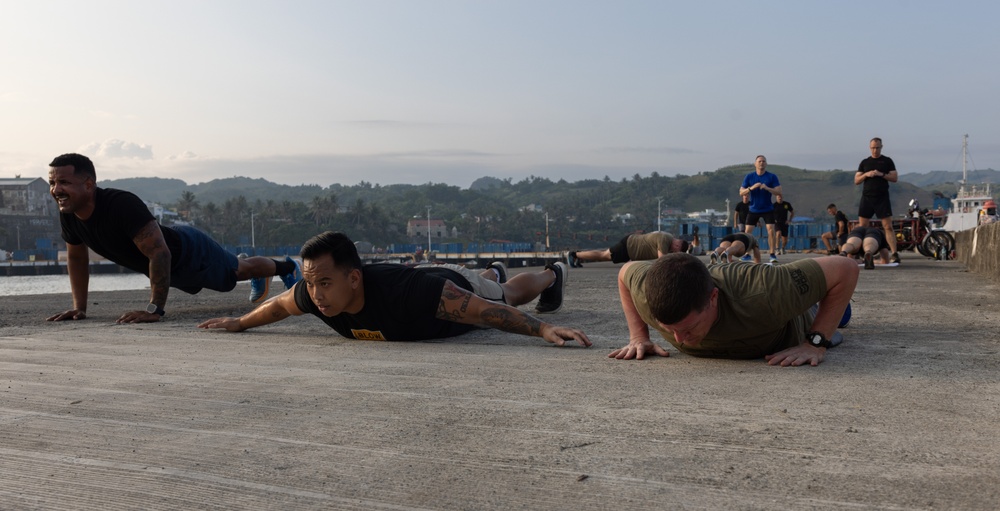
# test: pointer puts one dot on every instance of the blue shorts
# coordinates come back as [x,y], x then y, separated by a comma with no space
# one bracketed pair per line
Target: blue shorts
[202,263]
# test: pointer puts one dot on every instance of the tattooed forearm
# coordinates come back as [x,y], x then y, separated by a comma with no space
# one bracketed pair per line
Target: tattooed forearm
[512,320]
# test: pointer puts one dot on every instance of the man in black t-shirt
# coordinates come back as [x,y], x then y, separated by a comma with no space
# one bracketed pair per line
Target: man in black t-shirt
[783,213]
[740,213]
[392,302]
[876,172]
[839,231]
[117,225]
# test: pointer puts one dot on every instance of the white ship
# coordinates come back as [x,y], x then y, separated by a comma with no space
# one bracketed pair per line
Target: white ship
[967,204]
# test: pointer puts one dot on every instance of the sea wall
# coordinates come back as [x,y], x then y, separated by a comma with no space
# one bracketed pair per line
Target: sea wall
[979,250]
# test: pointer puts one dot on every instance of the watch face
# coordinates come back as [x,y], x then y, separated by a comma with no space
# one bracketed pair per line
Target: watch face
[818,340]
[151,308]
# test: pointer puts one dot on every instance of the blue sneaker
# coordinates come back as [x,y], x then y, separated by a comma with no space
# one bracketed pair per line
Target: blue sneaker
[293,277]
[836,339]
[746,258]
[259,288]
[846,318]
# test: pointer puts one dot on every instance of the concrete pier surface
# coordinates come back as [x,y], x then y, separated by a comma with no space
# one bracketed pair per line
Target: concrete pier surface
[905,414]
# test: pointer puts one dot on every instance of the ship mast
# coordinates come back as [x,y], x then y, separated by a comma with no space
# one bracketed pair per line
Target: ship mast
[965,148]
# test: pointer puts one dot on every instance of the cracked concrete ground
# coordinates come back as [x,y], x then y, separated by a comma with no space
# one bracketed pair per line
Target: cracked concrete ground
[903,415]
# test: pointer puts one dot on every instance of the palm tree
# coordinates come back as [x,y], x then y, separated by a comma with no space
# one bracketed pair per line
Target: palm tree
[187,205]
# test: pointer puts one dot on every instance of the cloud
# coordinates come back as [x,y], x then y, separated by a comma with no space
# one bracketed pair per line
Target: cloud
[647,150]
[436,153]
[115,148]
[186,155]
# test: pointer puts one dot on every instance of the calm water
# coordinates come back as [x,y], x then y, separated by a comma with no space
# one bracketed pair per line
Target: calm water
[57,284]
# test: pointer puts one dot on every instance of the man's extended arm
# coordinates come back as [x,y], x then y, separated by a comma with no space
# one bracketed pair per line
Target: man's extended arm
[271,311]
[149,240]
[638,331]
[78,266]
[461,306]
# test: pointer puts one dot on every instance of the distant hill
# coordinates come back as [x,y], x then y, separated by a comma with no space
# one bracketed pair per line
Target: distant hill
[951,176]
[809,191]
[168,191]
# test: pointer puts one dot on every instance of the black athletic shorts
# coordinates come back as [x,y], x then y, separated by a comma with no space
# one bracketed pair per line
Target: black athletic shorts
[875,207]
[741,237]
[781,229]
[619,251]
[753,218]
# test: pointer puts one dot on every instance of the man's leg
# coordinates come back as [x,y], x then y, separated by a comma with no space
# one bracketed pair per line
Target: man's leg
[260,271]
[772,239]
[256,266]
[852,246]
[525,287]
[827,236]
[863,221]
[890,235]
[737,249]
[594,255]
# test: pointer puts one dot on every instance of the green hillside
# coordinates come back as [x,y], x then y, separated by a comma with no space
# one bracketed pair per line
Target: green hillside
[490,208]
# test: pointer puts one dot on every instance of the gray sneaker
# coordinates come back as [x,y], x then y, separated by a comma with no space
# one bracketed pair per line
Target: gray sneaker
[551,299]
[713,258]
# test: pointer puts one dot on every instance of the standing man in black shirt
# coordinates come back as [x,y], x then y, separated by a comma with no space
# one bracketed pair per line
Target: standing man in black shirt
[876,172]
[740,213]
[117,225]
[783,213]
[392,302]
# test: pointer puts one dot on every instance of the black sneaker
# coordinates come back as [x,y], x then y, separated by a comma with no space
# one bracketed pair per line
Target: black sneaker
[869,261]
[895,257]
[501,270]
[551,299]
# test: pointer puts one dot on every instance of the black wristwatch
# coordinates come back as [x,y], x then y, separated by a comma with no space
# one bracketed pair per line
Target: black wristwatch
[152,308]
[818,340]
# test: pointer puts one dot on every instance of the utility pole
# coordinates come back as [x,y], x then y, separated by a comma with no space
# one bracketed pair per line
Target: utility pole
[428,251]
[253,232]
[659,200]
[546,230]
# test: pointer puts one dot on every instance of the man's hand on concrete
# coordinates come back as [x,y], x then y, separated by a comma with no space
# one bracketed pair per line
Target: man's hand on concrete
[138,317]
[637,349]
[70,314]
[796,356]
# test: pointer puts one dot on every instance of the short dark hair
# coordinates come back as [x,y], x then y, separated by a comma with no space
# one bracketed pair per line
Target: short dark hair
[337,245]
[81,164]
[876,139]
[832,206]
[677,285]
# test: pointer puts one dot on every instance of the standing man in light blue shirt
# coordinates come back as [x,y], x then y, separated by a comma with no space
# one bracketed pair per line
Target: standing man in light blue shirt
[760,185]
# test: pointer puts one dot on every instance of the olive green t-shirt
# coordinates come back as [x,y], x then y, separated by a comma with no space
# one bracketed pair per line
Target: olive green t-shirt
[763,309]
[642,247]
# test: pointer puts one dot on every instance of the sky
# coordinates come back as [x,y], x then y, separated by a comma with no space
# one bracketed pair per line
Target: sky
[448,91]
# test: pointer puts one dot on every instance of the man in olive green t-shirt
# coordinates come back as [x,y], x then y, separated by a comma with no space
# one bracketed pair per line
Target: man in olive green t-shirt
[736,310]
[634,247]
